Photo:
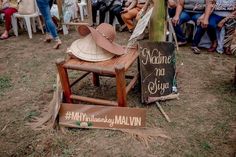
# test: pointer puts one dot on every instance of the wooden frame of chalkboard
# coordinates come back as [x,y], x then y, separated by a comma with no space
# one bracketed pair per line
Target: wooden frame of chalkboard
[157,70]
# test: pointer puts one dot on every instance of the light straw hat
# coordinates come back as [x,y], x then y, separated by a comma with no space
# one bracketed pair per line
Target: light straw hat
[86,49]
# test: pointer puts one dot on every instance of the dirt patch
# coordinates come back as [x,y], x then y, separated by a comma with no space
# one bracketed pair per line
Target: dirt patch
[202,120]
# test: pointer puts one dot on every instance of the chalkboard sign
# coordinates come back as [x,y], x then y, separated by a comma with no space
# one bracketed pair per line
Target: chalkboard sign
[157,68]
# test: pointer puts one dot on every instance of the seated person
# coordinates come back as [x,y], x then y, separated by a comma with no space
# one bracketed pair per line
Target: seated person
[7,8]
[129,13]
[115,11]
[172,4]
[222,10]
[192,10]
[103,6]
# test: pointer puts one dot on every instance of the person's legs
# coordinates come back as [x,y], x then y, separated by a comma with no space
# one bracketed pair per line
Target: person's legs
[111,16]
[117,13]
[184,17]
[211,30]
[44,8]
[8,13]
[199,30]
[102,15]
[171,12]
[129,16]
[94,12]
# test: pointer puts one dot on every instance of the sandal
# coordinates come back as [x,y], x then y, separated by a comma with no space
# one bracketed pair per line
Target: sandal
[58,44]
[195,50]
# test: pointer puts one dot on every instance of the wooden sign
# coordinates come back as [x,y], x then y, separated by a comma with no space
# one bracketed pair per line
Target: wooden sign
[157,68]
[91,116]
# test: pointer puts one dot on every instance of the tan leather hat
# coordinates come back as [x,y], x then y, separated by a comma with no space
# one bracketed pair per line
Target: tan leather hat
[104,36]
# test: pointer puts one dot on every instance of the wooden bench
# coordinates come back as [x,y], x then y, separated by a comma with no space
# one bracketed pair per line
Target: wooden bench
[115,67]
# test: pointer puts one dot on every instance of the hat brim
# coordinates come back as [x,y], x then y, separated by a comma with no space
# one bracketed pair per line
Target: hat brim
[86,49]
[101,41]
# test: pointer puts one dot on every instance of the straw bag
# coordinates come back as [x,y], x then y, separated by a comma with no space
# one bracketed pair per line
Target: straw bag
[26,7]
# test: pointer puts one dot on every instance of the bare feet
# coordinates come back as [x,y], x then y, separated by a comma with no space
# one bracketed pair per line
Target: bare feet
[4,35]
[58,44]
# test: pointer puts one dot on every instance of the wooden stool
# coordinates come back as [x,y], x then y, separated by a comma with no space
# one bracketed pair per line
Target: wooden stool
[115,67]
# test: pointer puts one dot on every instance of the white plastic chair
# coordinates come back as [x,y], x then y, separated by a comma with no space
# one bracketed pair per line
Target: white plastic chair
[27,19]
[82,5]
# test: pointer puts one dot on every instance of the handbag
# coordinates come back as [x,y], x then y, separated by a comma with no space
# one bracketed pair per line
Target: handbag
[26,7]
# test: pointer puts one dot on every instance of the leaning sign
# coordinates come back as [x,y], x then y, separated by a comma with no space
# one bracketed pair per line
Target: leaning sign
[91,116]
[157,68]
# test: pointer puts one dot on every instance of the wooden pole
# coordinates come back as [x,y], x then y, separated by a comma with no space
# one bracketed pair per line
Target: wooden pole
[158,21]
[64,79]
[163,112]
[121,85]
[59,5]
[90,15]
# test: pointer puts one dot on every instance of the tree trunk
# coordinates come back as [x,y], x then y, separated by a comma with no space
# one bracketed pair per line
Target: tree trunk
[158,21]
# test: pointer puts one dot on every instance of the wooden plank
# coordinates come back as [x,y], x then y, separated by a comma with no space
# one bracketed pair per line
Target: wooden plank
[94,116]
[64,79]
[94,100]
[105,67]
[90,15]
[59,5]
[121,85]
[80,78]
[96,79]
[162,111]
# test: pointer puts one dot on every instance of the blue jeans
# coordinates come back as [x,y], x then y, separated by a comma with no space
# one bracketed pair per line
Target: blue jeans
[115,11]
[213,22]
[44,8]
[185,17]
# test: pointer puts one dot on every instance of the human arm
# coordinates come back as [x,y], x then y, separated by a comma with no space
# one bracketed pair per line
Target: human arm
[210,4]
[179,8]
[222,22]
[172,4]
[143,10]
[131,6]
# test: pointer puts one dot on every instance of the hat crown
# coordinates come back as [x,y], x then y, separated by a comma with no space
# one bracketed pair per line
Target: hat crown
[107,31]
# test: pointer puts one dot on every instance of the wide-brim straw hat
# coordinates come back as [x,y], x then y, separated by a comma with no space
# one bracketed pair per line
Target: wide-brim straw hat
[104,36]
[86,49]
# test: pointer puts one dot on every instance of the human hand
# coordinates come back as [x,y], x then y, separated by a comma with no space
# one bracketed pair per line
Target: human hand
[139,15]
[125,10]
[175,20]
[200,19]
[221,24]
[204,22]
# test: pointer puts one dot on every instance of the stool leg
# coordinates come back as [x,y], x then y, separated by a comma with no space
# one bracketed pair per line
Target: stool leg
[96,79]
[121,86]
[64,80]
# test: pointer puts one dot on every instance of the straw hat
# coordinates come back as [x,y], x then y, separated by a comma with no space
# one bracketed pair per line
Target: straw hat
[86,49]
[104,36]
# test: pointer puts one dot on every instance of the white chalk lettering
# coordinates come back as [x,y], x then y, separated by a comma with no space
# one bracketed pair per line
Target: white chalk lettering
[154,57]
[154,87]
